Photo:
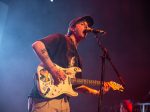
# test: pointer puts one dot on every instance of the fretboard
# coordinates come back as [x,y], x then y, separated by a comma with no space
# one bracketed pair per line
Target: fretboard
[85,82]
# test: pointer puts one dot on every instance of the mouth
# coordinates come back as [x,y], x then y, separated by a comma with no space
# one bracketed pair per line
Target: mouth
[84,32]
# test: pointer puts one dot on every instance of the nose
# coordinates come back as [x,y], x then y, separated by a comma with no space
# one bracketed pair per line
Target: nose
[85,26]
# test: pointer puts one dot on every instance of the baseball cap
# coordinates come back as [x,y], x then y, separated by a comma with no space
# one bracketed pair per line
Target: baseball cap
[88,19]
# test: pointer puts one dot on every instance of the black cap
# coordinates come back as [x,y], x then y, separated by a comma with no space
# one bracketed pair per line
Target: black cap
[88,19]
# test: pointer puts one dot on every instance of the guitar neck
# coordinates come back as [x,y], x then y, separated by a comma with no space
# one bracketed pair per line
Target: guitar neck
[85,82]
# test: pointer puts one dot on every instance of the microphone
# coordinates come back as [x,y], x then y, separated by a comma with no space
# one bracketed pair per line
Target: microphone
[95,31]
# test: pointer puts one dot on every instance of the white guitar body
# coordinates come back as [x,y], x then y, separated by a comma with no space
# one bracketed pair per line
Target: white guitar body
[49,89]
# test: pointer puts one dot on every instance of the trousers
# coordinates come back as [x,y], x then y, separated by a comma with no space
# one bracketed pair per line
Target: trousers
[52,105]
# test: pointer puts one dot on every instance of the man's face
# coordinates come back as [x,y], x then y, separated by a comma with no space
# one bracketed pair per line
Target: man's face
[79,30]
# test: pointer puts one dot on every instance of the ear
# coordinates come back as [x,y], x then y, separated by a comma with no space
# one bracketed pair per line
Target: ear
[71,29]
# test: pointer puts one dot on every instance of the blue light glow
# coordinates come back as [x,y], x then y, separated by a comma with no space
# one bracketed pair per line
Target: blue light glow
[3,15]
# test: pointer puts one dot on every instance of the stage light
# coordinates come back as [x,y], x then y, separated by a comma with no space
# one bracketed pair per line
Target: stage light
[51,0]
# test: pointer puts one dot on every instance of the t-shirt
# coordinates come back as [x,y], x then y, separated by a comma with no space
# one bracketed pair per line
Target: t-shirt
[62,52]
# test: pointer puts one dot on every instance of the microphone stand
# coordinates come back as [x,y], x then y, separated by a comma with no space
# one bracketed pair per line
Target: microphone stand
[104,57]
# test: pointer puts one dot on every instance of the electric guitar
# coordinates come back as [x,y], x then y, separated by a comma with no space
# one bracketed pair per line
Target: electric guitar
[48,89]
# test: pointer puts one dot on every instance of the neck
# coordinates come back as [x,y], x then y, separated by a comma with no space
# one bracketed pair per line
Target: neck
[74,40]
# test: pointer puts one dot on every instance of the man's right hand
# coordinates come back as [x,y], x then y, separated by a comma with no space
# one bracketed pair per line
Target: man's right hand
[57,74]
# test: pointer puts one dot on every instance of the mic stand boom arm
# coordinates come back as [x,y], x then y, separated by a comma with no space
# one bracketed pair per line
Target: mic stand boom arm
[104,57]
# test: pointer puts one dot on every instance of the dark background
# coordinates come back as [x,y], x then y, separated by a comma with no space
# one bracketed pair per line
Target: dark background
[126,23]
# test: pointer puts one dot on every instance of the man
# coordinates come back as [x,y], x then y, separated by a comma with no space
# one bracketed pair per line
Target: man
[61,50]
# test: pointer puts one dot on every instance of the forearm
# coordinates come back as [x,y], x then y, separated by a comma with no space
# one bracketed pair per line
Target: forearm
[92,91]
[86,89]
[42,53]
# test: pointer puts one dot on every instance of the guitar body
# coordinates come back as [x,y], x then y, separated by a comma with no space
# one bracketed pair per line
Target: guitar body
[46,84]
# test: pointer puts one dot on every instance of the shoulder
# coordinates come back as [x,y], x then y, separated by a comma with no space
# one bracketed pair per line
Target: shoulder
[55,36]
[53,39]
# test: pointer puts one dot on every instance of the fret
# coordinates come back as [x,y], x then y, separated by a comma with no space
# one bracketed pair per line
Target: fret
[84,81]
